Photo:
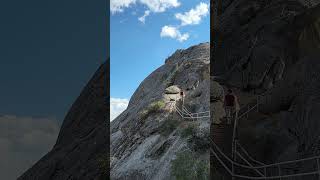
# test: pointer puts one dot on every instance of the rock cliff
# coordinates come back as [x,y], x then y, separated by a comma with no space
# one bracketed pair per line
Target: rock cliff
[272,47]
[80,151]
[150,140]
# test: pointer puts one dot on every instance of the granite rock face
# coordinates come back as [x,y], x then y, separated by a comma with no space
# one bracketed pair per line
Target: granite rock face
[81,148]
[148,135]
[271,48]
[216,102]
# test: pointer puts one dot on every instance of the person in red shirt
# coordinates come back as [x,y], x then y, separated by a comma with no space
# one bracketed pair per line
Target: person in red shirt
[230,105]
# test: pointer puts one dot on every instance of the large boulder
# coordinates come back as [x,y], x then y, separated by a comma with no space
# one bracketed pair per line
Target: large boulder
[172,90]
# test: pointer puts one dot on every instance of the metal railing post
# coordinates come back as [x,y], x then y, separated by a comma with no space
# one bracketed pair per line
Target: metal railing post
[235,151]
[279,170]
[265,172]
[318,168]
[258,103]
[232,162]
[235,154]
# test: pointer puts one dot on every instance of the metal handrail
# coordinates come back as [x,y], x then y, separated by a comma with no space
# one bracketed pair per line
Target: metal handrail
[185,109]
[188,115]
[187,112]
[259,167]
[246,161]
[246,153]
[256,106]
[262,165]
[255,168]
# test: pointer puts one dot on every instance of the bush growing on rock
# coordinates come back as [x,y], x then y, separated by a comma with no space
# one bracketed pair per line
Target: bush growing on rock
[168,126]
[187,166]
[188,131]
[197,143]
[154,107]
[200,144]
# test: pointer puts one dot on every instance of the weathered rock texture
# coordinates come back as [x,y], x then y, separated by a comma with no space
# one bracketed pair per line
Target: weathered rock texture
[272,46]
[148,135]
[81,150]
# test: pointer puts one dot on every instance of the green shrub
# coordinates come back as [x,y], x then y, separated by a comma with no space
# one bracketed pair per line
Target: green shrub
[168,126]
[198,144]
[188,131]
[187,166]
[154,107]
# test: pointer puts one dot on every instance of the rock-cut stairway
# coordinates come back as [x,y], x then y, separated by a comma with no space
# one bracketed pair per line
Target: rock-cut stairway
[221,134]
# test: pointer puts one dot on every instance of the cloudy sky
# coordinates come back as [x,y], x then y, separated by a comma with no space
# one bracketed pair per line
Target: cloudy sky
[48,52]
[23,140]
[144,33]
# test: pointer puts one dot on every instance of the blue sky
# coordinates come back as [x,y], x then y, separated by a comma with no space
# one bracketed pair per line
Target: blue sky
[49,50]
[139,47]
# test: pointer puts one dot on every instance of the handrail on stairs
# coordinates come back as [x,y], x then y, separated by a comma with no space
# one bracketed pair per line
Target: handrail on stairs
[247,154]
[261,165]
[233,174]
[184,113]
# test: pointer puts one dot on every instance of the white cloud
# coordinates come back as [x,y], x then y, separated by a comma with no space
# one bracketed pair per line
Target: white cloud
[23,141]
[117,106]
[120,5]
[160,5]
[155,6]
[143,18]
[193,16]
[173,32]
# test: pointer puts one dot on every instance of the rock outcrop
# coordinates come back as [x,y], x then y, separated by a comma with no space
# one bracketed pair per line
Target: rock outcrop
[80,151]
[149,140]
[272,47]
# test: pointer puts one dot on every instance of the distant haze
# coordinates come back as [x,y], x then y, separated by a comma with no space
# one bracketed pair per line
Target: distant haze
[49,51]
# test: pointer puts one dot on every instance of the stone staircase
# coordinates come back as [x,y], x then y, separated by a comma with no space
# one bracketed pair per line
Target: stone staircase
[221,134]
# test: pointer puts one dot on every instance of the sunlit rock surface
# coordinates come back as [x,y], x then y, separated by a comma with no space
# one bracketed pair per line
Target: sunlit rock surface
[147,136]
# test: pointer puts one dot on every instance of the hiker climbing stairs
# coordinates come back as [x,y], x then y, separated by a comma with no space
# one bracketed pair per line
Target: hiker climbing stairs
[239,164]
[234,162]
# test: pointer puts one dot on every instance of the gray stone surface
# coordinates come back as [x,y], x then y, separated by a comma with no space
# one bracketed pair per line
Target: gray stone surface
[138,148]
[273,47]
[216,104]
